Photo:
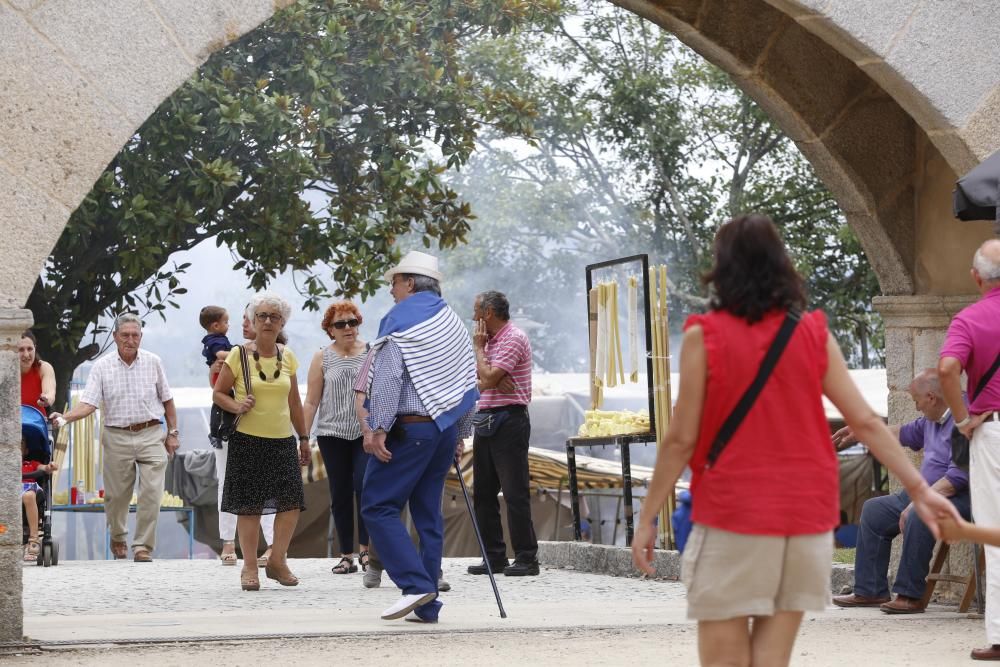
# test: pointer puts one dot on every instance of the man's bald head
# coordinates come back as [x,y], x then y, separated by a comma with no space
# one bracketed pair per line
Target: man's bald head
[927,381]
[926,393]
[986,263]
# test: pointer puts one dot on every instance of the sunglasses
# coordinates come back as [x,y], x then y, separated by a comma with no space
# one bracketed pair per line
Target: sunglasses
[343,324]
[274,317]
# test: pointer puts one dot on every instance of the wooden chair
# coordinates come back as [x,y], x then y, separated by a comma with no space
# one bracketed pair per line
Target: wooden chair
[972,581]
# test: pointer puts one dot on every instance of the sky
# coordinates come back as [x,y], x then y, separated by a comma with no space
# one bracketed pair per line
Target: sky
[210,281]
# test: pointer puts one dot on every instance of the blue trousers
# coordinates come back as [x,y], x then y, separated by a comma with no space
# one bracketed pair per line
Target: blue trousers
[421,457]
[879,525]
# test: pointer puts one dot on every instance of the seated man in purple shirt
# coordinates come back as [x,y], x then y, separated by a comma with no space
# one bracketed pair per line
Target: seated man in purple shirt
[885,517]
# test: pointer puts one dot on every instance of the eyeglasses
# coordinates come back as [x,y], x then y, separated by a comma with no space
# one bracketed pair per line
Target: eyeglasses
[274,317]
[343,324]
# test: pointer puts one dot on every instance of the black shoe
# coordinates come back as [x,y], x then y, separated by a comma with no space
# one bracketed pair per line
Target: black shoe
[522,569]
[497,567]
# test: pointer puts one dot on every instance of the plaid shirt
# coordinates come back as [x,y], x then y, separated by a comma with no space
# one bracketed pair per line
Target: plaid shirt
[127,394]
[393,393]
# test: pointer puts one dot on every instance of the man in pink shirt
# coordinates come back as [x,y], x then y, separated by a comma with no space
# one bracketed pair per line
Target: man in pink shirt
[502,431]
[973,345]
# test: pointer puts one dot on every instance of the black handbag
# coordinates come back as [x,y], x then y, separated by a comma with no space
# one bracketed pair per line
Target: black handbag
[735,418]
[959,443]
[222,423]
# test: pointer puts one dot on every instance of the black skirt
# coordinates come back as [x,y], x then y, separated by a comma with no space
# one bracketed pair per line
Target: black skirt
[262,476]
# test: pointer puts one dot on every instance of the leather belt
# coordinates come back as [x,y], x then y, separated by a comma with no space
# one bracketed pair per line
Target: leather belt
[993,417]
[413,419]
[137,427]
[513,407]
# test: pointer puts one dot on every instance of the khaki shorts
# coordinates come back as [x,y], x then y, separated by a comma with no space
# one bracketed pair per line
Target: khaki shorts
[728,575]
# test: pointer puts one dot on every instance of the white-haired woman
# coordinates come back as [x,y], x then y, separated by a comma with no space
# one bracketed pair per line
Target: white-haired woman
[263,473]
[227,521]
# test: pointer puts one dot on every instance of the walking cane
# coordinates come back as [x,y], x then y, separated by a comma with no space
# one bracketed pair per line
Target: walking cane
[479,538]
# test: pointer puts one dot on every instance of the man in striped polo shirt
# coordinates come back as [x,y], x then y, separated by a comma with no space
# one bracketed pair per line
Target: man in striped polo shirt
[502,431]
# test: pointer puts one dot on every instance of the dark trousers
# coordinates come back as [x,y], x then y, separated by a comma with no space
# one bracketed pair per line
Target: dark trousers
[500,463]
[879,526]
[421,457]
[345,462]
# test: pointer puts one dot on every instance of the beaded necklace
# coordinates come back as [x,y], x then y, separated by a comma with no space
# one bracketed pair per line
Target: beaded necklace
[260,371]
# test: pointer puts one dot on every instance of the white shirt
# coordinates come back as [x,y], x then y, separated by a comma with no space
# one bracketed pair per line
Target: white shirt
[127,393]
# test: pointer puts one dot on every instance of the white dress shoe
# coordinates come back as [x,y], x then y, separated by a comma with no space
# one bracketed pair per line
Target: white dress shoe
[406,604]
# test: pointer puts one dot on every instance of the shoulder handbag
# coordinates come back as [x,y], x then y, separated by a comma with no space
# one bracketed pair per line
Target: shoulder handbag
[223,422]
[736,417]
[959,443]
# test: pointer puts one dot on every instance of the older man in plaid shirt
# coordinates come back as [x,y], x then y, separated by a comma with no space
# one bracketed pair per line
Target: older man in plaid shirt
[131,389]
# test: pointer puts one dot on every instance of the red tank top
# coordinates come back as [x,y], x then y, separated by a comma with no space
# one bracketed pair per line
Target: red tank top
[31,387]
[779,473]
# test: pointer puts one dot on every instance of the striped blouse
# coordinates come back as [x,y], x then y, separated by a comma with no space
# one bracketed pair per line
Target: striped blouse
[336,415]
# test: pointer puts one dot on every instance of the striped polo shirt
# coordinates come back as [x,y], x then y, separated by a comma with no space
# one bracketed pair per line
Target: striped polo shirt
[510,350]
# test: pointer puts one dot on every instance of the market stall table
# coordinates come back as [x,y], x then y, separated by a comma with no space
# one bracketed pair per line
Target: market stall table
[99,507]
[622,441]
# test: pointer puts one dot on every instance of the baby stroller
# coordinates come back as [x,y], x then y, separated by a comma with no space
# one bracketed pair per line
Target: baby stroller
[35,431]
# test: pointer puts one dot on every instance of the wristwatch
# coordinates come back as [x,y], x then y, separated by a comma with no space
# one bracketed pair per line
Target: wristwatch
[968,418]
[174,432]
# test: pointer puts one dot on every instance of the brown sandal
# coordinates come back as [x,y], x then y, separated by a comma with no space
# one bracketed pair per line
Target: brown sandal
[288,580]
[249,581]
[32,550]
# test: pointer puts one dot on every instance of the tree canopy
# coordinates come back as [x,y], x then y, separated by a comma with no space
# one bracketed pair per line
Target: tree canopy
[305,142]
[642,146]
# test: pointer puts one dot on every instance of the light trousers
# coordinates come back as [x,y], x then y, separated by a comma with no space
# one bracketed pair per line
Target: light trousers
[227,521]
[984,485]
[130,457]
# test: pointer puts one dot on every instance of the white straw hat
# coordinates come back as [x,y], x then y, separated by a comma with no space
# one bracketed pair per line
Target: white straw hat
[416,262]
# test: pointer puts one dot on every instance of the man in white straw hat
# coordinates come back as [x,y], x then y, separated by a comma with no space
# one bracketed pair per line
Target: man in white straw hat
[419,410]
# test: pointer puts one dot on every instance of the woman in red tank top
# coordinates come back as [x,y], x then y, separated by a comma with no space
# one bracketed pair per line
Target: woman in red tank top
[38,378]
[761,547]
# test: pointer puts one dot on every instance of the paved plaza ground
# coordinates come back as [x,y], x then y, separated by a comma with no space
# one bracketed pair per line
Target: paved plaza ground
[100,612]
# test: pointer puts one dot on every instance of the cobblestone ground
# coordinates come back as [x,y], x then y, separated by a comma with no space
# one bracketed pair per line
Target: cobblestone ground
[559,618]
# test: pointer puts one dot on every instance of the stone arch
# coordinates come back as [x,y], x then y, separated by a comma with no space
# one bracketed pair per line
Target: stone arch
[77,78]
[888,101]
[877,116]
[908,97]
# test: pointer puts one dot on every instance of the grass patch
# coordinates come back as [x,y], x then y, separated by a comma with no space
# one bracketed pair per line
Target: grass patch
[843,556]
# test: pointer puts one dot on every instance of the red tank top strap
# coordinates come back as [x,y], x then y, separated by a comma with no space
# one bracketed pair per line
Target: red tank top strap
[31,387]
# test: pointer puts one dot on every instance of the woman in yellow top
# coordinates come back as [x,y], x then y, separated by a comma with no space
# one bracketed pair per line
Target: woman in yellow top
[263,474]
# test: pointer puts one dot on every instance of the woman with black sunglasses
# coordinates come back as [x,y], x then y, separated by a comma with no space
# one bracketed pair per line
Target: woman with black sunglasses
[330,401]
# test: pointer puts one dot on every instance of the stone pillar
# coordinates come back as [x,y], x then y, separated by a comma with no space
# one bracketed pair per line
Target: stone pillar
[915,327]
[13,321]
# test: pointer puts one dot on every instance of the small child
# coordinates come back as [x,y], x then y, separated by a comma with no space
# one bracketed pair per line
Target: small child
[31,472]
[215,345]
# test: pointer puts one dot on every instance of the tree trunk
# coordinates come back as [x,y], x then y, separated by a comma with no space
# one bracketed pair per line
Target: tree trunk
[862,331]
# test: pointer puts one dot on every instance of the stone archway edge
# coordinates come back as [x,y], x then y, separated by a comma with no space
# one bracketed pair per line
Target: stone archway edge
[951,90]
[13,321]
[80,78]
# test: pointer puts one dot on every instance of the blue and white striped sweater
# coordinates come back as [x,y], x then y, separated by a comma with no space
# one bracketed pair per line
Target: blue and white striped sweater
[437,352]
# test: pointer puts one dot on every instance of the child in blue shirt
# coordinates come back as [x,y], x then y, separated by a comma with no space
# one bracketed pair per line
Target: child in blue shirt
[215,345]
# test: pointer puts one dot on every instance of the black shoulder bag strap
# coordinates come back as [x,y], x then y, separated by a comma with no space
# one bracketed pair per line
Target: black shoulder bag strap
[985,380]
[245,364]
[746,402]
